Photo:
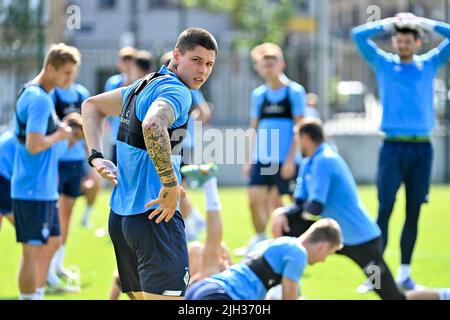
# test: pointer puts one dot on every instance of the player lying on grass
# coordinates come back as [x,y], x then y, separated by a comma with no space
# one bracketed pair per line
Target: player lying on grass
[272,262]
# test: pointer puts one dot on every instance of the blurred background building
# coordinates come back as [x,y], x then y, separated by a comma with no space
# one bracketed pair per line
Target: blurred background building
[315,35]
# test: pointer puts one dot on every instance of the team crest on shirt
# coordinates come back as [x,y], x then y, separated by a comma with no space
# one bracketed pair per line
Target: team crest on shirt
[397,68]
[45,232]
[186,277]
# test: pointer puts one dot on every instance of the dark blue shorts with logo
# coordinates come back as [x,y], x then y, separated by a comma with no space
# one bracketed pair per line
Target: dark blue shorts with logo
[151,258]
[35,221]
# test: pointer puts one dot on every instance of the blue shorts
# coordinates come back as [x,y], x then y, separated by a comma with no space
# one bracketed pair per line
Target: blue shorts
[258,178]
[151,258]
[35,221]
[71,173]
[5,196]
[205,290]
[408,163]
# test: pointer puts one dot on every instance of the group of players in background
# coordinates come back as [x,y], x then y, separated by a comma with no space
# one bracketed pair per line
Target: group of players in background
[43,170]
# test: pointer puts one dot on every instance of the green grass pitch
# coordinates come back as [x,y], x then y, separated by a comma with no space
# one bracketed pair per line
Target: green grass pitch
[337,278]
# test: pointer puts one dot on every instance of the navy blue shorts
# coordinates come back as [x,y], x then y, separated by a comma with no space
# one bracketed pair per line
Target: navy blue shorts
[259,178]
[35,221]
[5,196]
[151,258]
[408,163]
[71,173]
[205,290]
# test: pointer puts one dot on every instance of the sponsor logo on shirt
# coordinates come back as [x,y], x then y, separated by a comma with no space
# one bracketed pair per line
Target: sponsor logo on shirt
[273,109]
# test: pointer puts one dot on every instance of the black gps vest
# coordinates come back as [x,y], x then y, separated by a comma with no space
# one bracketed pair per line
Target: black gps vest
[259,265]
[130,129]
[282,109]
[63,108]
[53,121]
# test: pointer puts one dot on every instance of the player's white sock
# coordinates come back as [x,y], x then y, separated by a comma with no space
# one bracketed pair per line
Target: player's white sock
[86,216]
[59,257]
[261,236]
[212,195]
[404,272]
[444,294]
[27,296]
[52,278]
[39,295]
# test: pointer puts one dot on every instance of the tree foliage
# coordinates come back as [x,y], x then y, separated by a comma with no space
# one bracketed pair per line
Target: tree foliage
[19,21]
[256,20]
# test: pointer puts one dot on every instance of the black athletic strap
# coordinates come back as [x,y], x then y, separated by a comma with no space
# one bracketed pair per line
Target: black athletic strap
[262,269]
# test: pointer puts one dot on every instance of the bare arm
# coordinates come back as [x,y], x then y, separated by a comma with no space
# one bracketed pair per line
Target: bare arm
[94,111]
[37,143]
[293,149]
[253,127]
[289,167]
[290,289]
[159,118]
[249,156]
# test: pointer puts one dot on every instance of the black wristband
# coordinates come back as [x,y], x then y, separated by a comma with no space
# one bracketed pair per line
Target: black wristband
[94,155]
[314,207]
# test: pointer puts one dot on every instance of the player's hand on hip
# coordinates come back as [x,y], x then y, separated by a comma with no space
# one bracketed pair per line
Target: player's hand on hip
[106,169]
[288,170]
[168,202]
[280,223]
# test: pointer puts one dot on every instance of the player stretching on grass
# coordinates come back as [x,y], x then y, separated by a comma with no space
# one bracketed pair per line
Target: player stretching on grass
[327,189]
[271,263]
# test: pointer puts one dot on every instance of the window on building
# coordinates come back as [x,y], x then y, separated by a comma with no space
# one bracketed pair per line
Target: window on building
[162,4]
[106,4]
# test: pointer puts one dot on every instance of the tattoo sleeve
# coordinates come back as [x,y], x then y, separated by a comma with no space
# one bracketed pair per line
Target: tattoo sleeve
[159,118]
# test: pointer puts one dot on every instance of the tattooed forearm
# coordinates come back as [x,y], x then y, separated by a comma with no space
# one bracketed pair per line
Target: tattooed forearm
[159,118]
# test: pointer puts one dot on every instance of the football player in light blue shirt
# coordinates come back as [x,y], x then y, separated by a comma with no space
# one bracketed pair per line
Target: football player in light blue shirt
[271,263]
[34,183]
[277,106]
[406,89]
[151,255]
[328,189]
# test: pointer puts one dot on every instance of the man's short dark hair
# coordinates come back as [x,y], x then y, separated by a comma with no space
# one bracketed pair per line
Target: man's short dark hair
[406,30]
[190,38]
[145,61]
[313,129]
